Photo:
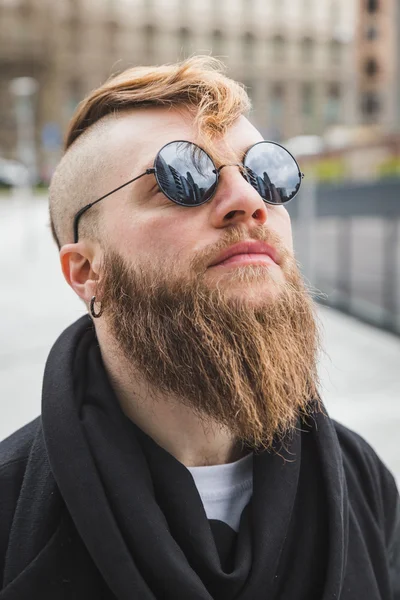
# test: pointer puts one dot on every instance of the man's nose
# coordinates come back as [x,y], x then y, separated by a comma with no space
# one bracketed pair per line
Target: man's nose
[236,201]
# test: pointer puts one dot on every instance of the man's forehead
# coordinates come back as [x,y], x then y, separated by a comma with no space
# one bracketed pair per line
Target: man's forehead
[138,135]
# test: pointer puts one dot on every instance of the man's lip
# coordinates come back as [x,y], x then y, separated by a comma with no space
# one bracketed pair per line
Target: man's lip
[250,247]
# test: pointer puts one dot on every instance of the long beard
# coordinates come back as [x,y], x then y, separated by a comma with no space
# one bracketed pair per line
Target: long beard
[249,368]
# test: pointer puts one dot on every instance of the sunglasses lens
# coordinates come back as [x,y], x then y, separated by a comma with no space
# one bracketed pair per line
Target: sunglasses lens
[185,173]
[273,172]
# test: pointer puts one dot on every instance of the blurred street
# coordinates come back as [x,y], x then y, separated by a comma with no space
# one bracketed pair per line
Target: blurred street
[360,372]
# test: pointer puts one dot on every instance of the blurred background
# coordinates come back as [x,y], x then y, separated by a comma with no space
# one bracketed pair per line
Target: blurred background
[324,80]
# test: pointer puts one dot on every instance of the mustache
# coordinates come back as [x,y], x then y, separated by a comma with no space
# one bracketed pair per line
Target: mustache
[236,235]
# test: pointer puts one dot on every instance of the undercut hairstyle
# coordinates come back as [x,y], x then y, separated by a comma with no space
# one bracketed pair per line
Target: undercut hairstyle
[197,84]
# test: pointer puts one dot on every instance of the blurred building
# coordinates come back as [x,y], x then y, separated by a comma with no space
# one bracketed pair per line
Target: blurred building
[297,57]
[378,68]
[397,19]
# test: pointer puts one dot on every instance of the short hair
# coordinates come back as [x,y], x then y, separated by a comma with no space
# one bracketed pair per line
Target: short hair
[198,84]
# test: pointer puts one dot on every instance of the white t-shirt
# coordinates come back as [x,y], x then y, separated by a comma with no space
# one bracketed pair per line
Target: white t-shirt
[225,490]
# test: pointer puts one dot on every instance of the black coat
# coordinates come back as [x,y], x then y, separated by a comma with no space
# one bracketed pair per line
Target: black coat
[92,509]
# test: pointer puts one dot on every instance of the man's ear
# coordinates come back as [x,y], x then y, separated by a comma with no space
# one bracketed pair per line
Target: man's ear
[80,264]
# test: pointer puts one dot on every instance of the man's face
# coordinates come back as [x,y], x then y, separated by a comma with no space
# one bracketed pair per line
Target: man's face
[143,226]
[235,342]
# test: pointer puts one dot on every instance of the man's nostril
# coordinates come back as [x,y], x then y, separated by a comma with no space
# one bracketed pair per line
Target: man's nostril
[257,214]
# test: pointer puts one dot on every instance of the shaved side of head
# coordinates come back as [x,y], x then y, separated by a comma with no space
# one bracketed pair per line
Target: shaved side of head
[78,180]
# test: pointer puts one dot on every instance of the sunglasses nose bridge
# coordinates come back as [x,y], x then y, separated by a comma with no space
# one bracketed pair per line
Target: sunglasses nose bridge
[229,165]
[236,181]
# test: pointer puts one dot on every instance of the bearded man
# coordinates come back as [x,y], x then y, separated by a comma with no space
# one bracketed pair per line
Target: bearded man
[183,450]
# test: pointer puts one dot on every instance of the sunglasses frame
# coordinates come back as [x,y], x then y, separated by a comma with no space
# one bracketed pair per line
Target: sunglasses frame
[153,170]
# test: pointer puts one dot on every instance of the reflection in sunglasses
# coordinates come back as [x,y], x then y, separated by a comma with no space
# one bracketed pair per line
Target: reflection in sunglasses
[182,188]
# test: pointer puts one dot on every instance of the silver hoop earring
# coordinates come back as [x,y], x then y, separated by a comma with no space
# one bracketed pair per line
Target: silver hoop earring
[94,314]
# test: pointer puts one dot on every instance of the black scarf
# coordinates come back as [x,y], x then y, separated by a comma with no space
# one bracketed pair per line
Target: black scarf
[144,530]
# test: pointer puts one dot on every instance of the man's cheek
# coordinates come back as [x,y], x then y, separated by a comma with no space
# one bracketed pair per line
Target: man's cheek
[283,228]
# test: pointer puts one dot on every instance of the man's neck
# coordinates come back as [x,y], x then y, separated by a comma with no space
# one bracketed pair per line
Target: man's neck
[172,425]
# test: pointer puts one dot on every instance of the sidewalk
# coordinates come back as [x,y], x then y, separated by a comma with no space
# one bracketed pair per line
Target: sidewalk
[360,372]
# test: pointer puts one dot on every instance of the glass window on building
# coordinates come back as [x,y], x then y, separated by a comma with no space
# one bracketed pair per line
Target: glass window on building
[217,41]
[371,67]
[25,9]
[333,104]
[335,52]
[75,33]
[276,104]
[75,95]
[307,99]
[113,31]
[184,41]
[372,6]
[370,105]
[249,43]
[371,33]
[278,48]
[150,35]
[307,50]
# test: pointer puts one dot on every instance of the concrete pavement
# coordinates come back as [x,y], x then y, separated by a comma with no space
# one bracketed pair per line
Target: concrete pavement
[360,371]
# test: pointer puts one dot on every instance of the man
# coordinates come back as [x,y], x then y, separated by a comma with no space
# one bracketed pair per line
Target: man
[183,449]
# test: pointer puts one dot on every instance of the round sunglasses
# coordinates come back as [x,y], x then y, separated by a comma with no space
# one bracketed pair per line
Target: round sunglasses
[187,175]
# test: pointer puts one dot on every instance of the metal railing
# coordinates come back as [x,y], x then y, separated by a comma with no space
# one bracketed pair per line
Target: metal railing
[347,240]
